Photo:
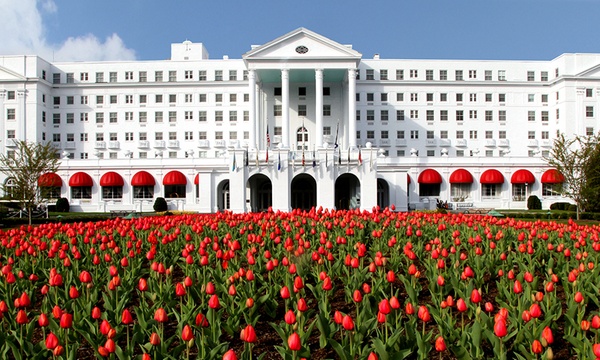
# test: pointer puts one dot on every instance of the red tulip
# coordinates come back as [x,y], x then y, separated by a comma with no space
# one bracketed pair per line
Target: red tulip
[440,345]
[187,334]
[489,307]
[500,328]
[179,290]
[596,322]
[154,339]
[110,346]
[96,313]
[372,356]
[327,284]
[142,285]
[536,347]
[596,349]
[535,311]
[126,317]
[518,288]
[294,342]
[24,300]
[85,277]
[290,317]
[302,307]
[146,356]
[102,351]
[160,315]
[105,327]
[409,309]
[461,305]
[66,321]
[423,314]
[248,334]
[210,288]
[284,292]
[585,325]
[22,317]
[229,355]
[475,296]
[43,320]
[384,307]
[357,296]
[201,320]
[213,302]
[391,276]
[578,297]
[394,303]
[73,293]
[547,335]
[440,280]
[348,323]
[51,341]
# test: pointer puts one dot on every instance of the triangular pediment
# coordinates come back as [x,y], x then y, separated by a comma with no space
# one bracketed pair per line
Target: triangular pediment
[593,72]
[302,44]
[8,75]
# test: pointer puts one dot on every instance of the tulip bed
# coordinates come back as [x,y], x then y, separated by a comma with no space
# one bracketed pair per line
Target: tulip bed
[319,284]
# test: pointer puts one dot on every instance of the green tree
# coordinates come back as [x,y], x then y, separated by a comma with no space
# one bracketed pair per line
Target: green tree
[578,160]
[24,167]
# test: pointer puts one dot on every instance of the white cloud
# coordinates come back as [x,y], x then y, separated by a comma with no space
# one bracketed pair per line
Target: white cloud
[22,24]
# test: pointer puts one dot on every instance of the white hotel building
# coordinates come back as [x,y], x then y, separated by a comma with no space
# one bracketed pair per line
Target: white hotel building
[344,131]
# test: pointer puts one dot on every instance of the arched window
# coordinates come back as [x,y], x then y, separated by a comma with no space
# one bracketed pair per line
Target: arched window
[10,187]
[302,138]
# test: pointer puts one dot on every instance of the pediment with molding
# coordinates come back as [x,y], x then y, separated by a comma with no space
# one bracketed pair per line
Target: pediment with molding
[9,75]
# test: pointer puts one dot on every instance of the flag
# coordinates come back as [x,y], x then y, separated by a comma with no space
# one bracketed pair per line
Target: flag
[267,157]
[278,161]
[359,157]
[339,156]
[303,159]
[268,138]
[233,165]
[348,155]
[337,128]
[257,157]
[246,158]
[314,158]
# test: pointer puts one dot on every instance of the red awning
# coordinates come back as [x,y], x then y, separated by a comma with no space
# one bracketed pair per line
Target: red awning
[111,178]
[80,179]
[491,176]
[522,177]
[553,176]
[142,178]
[174,178]
[461,176]
[197,179]
[430,176]
[50,180]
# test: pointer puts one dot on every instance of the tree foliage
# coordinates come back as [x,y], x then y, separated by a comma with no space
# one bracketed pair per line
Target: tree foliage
[24,168]
[578,160]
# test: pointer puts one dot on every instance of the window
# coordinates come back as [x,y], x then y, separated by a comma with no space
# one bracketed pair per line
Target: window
[158,76]
[489,115]
[370,134]
[443,75]
[502,115]
[326,130]
[218,75]
[460,115]
[490,191]
[99,99]
[81,192]
[10,134]
[188,115]
[414,134]
[459,134]
[83,137]
[128,75]
[545,116]
[370,115]
[57,100]
[414,97]
[219,116]
[233,135]
[172,98]
[589,131]
[399,96]
[202,135]
[489,153]
[70,99]
[11,115]
[399,114]
[128,136]
[414,74]
[519,192]
[277,130]
[188,75]
[188,98]
[112,117]
[158,116]
[443,97]
[458,75]
[384,115]
[112,136]
[277,110]
[246,115]
[502,134]
[384,97]
[400,153]
[444,115]
[70,78]
[56,78]
[488,97]
[128,99]
[326,110]
[233,116]
[430,153]
[99,136]
[428,74]
[172,135]
[489,134]
[172,76]
[430,134]
[531,76]
[531,115]
[370,74]
[472,97]
[202,98]
[218,135]
[99,118]
[430,116]
[459,97]
[55,119]
[83,117]
[129,116]
[399,134]
[472,74]
[399,74]
[112,76]
[502,98]
[113,99]
[370,97]
[232,98]
[143,117]
[143,136]
[501,75]
[173,116]
[589,111]
[202,75]
[414,114]
[530,97]
[158,136]
[488,75]
[143,76]
[232,75]
[545,135]
[544,98]
[158,98]
[429,97]
[531,135]
[383,74]
[429,189]
[202,116]
[544,76]
[443,134]
[473,134]
[70,118]
[473,114]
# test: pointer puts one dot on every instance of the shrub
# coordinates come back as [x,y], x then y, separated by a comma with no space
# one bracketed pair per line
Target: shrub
[62,205]
[559,206]
[534,203]
[572,208]
[160,204]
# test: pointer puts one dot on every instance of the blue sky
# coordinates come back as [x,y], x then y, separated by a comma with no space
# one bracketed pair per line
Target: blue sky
[424,29]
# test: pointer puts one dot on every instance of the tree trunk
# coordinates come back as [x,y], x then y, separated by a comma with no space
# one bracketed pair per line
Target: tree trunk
[29,215]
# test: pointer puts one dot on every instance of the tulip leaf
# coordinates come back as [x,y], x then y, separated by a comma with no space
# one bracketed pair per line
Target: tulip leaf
[340,350]
[380,349]
[460,352]
[476,334]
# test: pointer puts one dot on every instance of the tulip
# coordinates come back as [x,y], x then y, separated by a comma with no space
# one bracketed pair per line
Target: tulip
[536,347]
[126,317]
[73,293]
[518,288]
[409,309]
[284,292]
[489,307]
[57,312]
[357,296]
[440,345]
[327,284]
[201,320]
[391,276]
[596,322]
[302,307]
[461,305]
[154,339]
[146,356]
[440,280]
[338,317]
[384,307]
[24,300]
[180,290]
[294,342]
[66,321]
[372,356]
[394,303]
[43,320]
[423,314]
[210,288]
[160,315]
[249,303]
[85,277]
[105,327]
[578,297]
[96,313]
[248,334]
[535,311]
[51,341]
[142,285]
[596,349]
[213,302]
[381,317]
[547,335]
[475,296]
[347,323]
[585,325]
[22,317]
[229,355]
[187,334]
[110,346]
[500,328]
[102,351]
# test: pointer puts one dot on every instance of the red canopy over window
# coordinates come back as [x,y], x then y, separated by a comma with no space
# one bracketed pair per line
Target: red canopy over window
[491,176]
[430,176]
[461,176]
[142,178]
[111,178]
[197,179]
[174,178]
[50,180]
[522,177]
[552,176]
[80,179]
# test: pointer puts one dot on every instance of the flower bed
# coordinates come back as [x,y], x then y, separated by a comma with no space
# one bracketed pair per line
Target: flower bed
[319,284]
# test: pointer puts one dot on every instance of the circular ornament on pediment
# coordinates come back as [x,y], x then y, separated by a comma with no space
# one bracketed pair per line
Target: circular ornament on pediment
[301,49]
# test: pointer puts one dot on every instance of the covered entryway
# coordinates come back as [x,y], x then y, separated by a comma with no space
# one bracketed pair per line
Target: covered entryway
[304,192]
[223,196]
[261,192]
[347,192]
[383,194]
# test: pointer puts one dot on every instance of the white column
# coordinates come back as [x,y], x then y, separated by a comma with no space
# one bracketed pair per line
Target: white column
[352,107]
[580,113]
[21,116]
[285,108]
[319,107]
[252,111]
[2,114]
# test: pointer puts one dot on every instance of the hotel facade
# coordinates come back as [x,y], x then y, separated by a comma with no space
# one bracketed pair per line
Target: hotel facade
[298,122]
